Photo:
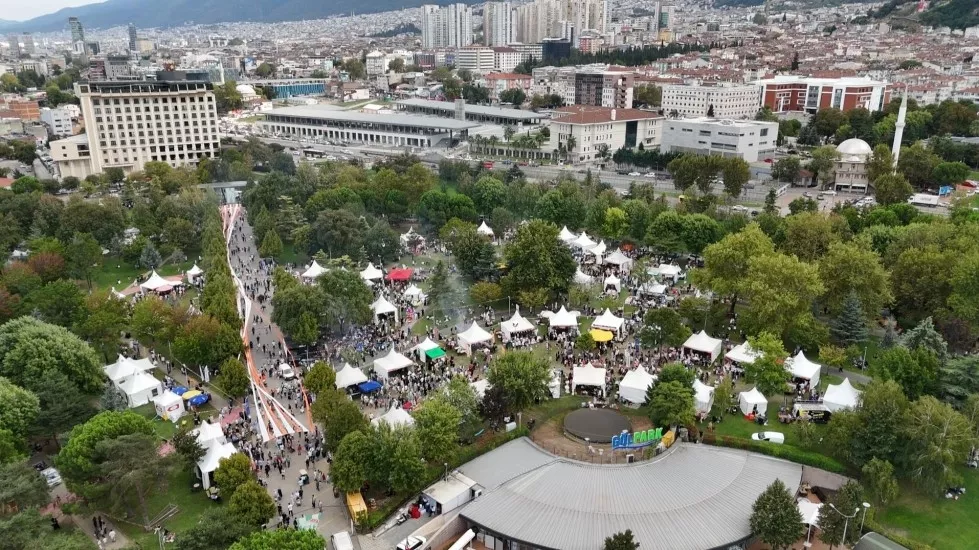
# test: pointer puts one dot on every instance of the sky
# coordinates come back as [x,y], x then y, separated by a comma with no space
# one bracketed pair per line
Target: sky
[20,10]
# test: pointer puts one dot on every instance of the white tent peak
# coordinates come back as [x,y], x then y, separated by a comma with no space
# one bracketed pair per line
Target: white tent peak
[370,272]
[566,235]
[349,376]
[314,271]
[395,417]
[584,241]
[608,320]
[155,282]
[484,229]
[582,278]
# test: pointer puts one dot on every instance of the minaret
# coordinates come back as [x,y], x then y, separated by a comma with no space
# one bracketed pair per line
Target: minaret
[899,127]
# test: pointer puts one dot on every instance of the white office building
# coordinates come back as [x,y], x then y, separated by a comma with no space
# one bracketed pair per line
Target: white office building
[477,59]
[448,26]
[131,123]
[728,102]
[497,23]
[594,128]
[377,63]
[57,120]
[750,140]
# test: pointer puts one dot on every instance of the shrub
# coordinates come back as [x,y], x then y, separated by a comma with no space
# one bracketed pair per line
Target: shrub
[788,452]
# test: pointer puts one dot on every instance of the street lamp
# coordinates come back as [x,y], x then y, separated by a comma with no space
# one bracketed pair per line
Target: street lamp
[866,506]
[846,523]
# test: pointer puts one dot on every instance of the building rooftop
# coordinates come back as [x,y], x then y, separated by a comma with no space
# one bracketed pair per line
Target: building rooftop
[725,122]
[449,107]
[587,114]
[315,111]
[842,81]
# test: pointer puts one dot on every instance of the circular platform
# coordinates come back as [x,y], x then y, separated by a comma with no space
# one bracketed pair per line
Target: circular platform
[596,425]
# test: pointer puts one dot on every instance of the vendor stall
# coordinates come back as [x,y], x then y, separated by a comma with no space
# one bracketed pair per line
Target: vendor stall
[608,321]
[703,396]
[392,362]
[157,284]
[516,325]
[371,273]
[588,375]
[612,284]
[667,271]
[742,354]
[212,459]
[566,236]
[582,278]
[414,295]
[635,384]
[381,308]
[400,274]
[395,417]
[475,335]
[620,260]
[563,319]
[484,230]
[349,376]
[703,343]
[841,396]
[803,368]
[598,251]
[314,271]
[193,273]
[169,406]
[584,241]
[125,367]
[140,388]
[752,401]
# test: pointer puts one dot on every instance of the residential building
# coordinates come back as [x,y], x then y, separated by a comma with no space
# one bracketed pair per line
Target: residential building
[132,38]
[542,19]
[478,59]
[785,93]
[598,128]
[555,48]
[110,67]
[131,123]
[14,42]
[506,59]
[73,156]
[497,23]
[448,26]
[499,82]
[57,120]
[554,81]
[604,88]
[735,102]
[24,109]
[750,140]
[377,63]
[77,30]
[27,46]
[528,51]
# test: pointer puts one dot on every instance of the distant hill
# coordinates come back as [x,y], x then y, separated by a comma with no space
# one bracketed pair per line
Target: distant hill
[169,13]
[955,14]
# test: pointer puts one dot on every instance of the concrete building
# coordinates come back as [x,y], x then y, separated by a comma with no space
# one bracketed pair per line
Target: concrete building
[131,123]
[603,88]
[730,102]
[57,120]
[77,30]
[554,81]
[542,19]
[459,110]
[23,109]
[14,47]
[110,67]
[448,26]
[377,63]
[527,51]
[595,127]
[500,82]
[505,59]
[785,93]
[750,140]
[73,156]
[28,47]
[392,130]
[478,59]
[497,23]
[851,167]
[131,31]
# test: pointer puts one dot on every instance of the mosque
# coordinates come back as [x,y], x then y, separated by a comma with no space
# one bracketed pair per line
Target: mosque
[854,153]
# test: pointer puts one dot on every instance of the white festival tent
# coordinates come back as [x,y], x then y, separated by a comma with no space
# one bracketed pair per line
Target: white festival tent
[608,321]
[193,273]
[566,235]
[748,400]
[410,236]
[349,376]
[118,294]
[382,306]
[703,396]
[371,273]
[480,386]
[703,343]
[653,288]
[212,459]
[391,362]
[841,396]
[562,319]
[613,282]
[800,367]
[395,418]
[619,259]
[125,367]
[515,325]
[140,388]
[473,335]
[314,271]
[582,278]
[584,241]
[634,385]
[155,282]
[588,375]
[484,229]
[425,345]
[208,434]
[742,354]
[414,294]
[169,406]
[666,270]
[598,251]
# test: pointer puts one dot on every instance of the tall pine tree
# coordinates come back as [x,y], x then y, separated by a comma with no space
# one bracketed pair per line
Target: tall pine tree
[850,328]
[775,517]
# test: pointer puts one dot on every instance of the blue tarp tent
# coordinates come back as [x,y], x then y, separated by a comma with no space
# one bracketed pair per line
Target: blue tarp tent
[369,386]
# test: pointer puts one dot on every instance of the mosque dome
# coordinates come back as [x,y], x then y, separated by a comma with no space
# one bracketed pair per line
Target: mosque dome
[854,146]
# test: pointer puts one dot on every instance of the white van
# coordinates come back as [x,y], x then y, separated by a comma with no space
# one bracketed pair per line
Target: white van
[341,541]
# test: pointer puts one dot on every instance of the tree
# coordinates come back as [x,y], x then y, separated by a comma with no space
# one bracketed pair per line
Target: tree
[102,321]
[767,371]
[775,517]
[677,372]
[130,469]
[348,470]
[521,377]
[338,415]
[880,163]
[31,351]
[233,472]
[847,501]
[285,539]
[513,96]
[942,440]
[462,397]
[924,336]
[892,189]
[150,258]
[780,291]
[113,399]
[787,169]
[663,327]
[21,486]
[950,173]
[439,286]
[616,223]
[233,378]
[878,475]
[251,504]
[724,397]
[621,541]
[26,184]
[18,408]
[265,70]
[876,430]
[348,299]
[854,268]
[823,163]
[726,262]
[850,327]
[62,406]
[537,259]
[671,404]
[216,529]
[185,442]
[437,425]
[827,121]
[735,173]
[227,96]
[917,164]
[322,377]
[206,341]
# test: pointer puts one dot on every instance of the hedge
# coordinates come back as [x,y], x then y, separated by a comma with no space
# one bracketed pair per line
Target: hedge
[788,452]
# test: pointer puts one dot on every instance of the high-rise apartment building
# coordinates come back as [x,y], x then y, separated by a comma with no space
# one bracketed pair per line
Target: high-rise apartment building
[497,24]
[14,41]
[559,19]
[603,88]
[448,26]
[132,38]
[731,102]
[77,30]
[131,123]
[28,46]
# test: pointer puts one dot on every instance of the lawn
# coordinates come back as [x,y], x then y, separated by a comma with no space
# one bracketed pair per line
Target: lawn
[939,522]
[974,176]
[291,256]
[190,503]
[116,272]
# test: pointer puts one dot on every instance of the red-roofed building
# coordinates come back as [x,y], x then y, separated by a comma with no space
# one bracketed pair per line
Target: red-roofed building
[498,82]
[594,128]
[5,183]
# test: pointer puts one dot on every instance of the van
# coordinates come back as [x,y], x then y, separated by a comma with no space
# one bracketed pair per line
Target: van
[341,541]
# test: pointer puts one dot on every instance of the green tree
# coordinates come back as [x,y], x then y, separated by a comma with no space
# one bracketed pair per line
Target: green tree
[216,529]
[347,297]
[252,505]
[942,440]
[823,164]
[439,286]
[780,292]
[233,378]
[62,406]
[522,377]
[18,408]
[663,327]
[775,517]
[787,169]
[437,425]
[206,341]
[537,259]
[917,163]
[131,469]
[584,342]
[616,223]
[878,475]
[271,245]
[671,404]
[850,326]
[462,397]
[767,371]
[338,415]
[285,539]
[916,371]
[348,470]
[726,262]
[21,486]
[83,257]
[735,173]
[322,377]
[185,442]
[233,472]
[854,268]
[880,163]
[677,372]
[150,258]
[31,351]
[848,501]
[892,189]
[227,96]
[876,430]
[621,541]
[924,336]
[265,70]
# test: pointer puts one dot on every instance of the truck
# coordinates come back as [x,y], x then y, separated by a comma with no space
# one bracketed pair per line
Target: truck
[488,164]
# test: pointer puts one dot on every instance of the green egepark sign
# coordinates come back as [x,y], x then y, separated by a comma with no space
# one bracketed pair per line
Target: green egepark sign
[637,440]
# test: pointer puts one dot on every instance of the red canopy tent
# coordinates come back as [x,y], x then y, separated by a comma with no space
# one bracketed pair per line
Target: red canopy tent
[400,274]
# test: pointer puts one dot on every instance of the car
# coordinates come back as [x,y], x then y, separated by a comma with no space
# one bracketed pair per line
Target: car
[768,161]
[830,193]
[771,437]
[807,194]
[341,541]
[651,175]
[412,543]
[635,174]
[51,476]
[287,372]
[739,208]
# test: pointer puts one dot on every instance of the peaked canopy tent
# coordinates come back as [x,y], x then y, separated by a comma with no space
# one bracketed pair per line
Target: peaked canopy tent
[157,283]
[395,418]
[584,241]
[212,459]
[667,270]
[634,385]
[612,282]
[608,321]
[411,235]
[391,362]
[480,386]
[484,230]
[515,325]
[582,278]
[841,396]
[598,251]
[209,433]
[193,273]
[371,273]
[620,260]
[803,368]
[703,343]
[382,307]
[314,271]
[752,400]
[414,294]
[125,367]
[472,336]
[562,319]
[169,406]
[349,376]
[588,375]
[653,288]
[140,388]
[566,235]
[742,354]
[426,347]
[703,396]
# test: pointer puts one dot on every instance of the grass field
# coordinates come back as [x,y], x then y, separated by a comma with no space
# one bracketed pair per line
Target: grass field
[116,272]
[180,492]
[939,522]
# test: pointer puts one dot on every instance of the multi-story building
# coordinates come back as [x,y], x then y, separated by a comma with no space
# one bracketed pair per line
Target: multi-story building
[14,41]
[132,38]
[559,19]
[505,59]
[77,30]
[448,26]
[477,59]
[28,46]
[598,128]
[554,81]
[735,102]
[131,123]
[746,139]
[23,109]
[528,51]
[499,82]
[110,67]
[497,23]
[799,93]
[57,120]
[377,63]
[555,48]
[604,88]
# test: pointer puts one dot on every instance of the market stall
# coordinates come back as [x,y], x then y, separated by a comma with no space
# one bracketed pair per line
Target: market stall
[608,321]
[635,384]
[566,236]
[620,260]
[742,354]
[563,319]
[704,343]
[703,396]
[392,362]
[314,271]
[612,284]
[414,295]
[395,417]
[582,278]
[382,308]
[125,367]
[349,376]
[475,335]
[400,274]
[193,273]
[598,251]
[169,406]
[212,459]
[804,369]
[841,396]
[371,273]
[484,230]
[155,283]
[140,388]
[667,271]
[515,325]
[752,401]
[584,241]
[588,375]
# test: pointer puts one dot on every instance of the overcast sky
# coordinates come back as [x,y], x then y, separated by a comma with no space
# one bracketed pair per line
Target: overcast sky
[19,10]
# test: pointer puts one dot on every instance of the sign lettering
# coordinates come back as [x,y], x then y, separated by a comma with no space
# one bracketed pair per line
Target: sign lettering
[637,440]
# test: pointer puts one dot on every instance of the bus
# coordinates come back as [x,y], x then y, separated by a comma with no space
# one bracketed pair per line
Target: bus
[313,153]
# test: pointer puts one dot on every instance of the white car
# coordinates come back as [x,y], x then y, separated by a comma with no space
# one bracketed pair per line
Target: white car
[412,543]
[286,372]
[651,175]
[635,174]
[771,437]
[51,476]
